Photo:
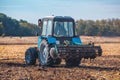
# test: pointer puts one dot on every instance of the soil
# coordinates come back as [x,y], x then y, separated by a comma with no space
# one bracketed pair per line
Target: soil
[13,67]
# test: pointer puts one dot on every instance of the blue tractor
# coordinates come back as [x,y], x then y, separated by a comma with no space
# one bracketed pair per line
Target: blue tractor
[58,41]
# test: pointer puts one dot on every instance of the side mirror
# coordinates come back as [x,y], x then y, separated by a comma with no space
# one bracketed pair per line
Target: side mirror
[40,23]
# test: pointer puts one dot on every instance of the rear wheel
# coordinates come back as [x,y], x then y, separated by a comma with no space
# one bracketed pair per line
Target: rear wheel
[44,56]
[30,56]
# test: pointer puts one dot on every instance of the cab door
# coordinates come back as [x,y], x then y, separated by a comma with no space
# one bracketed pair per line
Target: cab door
[47,27]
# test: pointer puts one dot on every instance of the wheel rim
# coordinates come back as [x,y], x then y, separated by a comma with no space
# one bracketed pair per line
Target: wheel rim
[27,57]
[43,55]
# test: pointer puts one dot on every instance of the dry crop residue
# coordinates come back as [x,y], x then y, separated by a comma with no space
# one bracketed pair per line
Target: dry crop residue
[106,67]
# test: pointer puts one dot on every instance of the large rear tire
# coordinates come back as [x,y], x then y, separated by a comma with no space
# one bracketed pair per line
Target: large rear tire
[30,56]
[44,54]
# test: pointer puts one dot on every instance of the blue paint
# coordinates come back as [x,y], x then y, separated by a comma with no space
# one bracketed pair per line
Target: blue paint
[76,40]
[51,40]
[39,41]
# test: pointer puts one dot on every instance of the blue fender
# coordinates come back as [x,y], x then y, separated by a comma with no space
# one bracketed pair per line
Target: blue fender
[76,40]
[39,41]
[50,40]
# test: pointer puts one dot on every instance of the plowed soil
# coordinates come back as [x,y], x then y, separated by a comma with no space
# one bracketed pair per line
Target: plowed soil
[106,67]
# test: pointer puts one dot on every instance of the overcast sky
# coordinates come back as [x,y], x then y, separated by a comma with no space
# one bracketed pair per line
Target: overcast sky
[32,10]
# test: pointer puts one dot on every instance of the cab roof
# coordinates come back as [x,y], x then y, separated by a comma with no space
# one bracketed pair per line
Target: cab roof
[59,18]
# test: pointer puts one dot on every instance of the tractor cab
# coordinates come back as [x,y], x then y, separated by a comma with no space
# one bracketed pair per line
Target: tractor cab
[60,28]
[57,26]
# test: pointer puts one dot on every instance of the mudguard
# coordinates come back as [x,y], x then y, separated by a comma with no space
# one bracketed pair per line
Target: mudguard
[76,40]
[50,40]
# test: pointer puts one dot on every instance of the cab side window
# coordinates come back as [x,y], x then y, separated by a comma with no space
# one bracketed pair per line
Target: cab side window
[44,28]
[49,28]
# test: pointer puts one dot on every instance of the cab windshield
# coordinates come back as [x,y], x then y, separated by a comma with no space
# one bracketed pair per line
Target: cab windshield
[63,29]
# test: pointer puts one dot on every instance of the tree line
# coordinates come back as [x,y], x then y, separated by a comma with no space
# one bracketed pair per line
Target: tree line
[104,27]
[13,27]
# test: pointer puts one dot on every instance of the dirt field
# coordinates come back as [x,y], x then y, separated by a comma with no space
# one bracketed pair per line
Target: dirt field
[106,67]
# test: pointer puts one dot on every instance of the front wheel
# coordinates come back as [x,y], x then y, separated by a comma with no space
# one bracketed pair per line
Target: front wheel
[30,56]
